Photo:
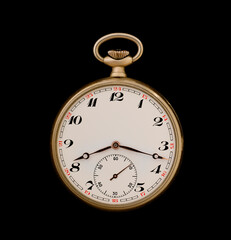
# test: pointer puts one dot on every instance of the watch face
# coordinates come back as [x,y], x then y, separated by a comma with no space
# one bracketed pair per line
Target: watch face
[117,144]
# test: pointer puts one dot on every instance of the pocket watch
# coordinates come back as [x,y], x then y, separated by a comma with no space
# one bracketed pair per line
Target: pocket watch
[117,143]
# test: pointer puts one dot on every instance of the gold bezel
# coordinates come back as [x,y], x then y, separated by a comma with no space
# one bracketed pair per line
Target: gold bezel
[129,82]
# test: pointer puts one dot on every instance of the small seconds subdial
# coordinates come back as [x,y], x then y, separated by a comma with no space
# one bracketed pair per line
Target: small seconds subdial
[115,176]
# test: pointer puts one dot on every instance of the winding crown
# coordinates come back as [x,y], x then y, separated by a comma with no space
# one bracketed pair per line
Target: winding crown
[118,54]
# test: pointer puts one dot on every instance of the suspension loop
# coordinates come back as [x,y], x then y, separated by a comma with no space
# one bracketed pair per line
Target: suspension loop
[118,35]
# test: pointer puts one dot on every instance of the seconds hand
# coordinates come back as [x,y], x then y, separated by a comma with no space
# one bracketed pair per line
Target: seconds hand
[116,174]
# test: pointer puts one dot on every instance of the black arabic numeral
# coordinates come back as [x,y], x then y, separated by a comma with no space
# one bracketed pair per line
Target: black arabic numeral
[140,103]
[75,167]
[164,147]
[90,184]
[156,169]
[92,102]
[76,120]
[68,142]
[117,96]
[139,188]
[158,121]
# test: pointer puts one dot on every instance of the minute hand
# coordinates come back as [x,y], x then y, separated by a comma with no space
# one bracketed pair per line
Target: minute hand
[154,155]
[135,150]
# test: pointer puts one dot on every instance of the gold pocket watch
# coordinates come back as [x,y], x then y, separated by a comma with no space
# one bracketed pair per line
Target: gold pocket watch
[117,143]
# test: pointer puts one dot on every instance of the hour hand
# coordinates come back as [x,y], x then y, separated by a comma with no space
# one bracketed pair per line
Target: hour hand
[87,155]
[84,156]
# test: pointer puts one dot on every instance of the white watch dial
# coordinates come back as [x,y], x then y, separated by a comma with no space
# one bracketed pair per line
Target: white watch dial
[115,145]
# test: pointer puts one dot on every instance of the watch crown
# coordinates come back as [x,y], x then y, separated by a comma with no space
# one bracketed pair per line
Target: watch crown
[118,54]
[118,59]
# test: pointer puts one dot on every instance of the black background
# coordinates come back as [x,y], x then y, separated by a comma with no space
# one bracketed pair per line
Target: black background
[58,60]
[167,65]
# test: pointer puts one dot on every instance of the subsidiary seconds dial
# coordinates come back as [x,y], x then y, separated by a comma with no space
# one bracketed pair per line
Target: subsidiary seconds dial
[115,176]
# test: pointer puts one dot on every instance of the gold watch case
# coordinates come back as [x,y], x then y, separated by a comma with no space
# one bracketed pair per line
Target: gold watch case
[118,60]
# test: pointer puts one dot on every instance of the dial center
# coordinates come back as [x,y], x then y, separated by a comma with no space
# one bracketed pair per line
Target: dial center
[114,176]
[115,145]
